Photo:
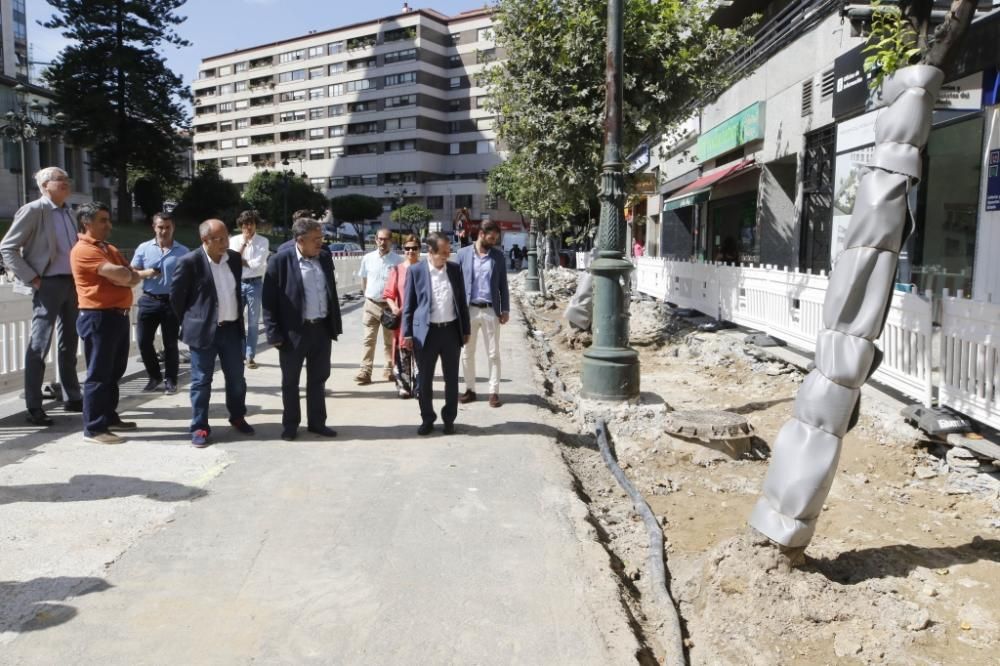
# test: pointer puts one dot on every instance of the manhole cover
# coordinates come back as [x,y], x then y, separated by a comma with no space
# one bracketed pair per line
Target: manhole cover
[707,424]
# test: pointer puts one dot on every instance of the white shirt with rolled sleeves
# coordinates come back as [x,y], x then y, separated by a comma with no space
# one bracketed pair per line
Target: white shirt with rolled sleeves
[375,271]
[225,288]
[254,254]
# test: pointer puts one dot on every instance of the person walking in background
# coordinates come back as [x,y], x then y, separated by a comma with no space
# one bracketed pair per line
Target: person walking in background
[485,275]
[36,250]
[515,257]
[436,325]
[206,296]
[395,290]
[375,267]
[301,317]
[104,282]
[638,249]
[253,249]
[154,261]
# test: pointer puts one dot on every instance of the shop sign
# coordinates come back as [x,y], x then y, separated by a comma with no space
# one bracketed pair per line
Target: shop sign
[639,160]
[850,89]
[993,181]
[966,94]
[644,184]
[744,127]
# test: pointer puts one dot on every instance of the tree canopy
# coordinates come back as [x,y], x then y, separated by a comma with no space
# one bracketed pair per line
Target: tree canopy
[355,208]
[412,216]
[549,90]
[209,195]
[267,190]
[119,97]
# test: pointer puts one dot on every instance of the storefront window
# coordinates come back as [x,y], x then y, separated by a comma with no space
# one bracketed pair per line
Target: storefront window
[733,229]
[945,243]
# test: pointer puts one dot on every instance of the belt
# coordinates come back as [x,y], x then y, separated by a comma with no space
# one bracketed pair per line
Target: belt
[231,322]
[62,276]
[443,324]
[313,322]
[159,297]
[253,279]
[374,301]
[481,305]
[119,311]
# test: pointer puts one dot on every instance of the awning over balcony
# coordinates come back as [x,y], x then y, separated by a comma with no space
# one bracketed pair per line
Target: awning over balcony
[701,189]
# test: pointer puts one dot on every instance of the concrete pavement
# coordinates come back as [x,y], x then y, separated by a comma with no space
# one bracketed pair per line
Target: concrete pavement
[377,547]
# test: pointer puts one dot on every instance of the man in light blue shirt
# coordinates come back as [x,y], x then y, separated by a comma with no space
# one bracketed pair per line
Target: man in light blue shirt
[375,267]
[154,261]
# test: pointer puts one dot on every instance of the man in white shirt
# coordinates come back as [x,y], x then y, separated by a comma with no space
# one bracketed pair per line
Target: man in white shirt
[254,249]
[375,267]
[206,297]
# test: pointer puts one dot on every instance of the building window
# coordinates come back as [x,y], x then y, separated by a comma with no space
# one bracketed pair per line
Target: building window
[400,56]
[226,144]
[486,147]
[242,142]
[334,47]
[400,100]
[361,63]
[226,89]
[225,70]
[225,106]
[456,104]
[317,133]
[291,56]
[227,162]
[455,82]
[292,96]
[317,153]
[294,75]
[337,130]
[226,126]
[242,123]
[484,34]
[242,160]
[241,104]
[315,93]
[456,38]
[316,51]
[317,113]
[240,67]
[454,60]
[336,151]
[482,102]
[463,201]
[396,146]
[291,116]
[400,123]
[485,123]
[359,85]
[336,90]
[361,107]
[338,181]
[337,68]
[318,183]
[400,79]
[317,72]
[240,86]
[435,203]
[337,109]
[453,148]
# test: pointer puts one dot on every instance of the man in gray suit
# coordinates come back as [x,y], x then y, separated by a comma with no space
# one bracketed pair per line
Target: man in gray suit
[36,250]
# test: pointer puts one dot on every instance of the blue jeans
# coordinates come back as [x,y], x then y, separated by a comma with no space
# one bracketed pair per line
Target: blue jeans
[226,346]
[105,335]
[251,297]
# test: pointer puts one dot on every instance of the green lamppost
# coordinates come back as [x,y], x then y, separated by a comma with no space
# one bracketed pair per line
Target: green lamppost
[531,282]
[610,367]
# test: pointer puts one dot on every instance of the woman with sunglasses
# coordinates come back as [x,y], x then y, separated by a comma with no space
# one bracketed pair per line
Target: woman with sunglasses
[403,366]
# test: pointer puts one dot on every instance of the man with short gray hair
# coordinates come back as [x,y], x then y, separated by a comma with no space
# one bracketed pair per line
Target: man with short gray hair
[36,250]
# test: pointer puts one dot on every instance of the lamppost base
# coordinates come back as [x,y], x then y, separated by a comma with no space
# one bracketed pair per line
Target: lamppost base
[531,283]
[610,374]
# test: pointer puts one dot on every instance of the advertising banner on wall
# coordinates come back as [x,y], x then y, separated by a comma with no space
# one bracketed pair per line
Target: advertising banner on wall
[986,269]
[855,144]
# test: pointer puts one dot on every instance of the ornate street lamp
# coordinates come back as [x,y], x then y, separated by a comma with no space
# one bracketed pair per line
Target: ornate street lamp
[610,367]
[23,123]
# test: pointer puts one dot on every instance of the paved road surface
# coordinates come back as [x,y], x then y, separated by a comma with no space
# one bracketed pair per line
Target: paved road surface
[378,547]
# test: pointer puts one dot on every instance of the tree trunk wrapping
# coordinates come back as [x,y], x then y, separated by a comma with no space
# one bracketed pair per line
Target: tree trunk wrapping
[807,449]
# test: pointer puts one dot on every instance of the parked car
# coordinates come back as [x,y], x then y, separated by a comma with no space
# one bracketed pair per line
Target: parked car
[344,247]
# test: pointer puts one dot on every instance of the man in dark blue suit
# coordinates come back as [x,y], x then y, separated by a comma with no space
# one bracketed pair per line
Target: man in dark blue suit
[436,325]
[301,317]
[207,299]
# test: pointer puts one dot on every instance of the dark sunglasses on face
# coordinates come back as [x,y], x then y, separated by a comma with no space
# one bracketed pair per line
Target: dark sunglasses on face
[411,248]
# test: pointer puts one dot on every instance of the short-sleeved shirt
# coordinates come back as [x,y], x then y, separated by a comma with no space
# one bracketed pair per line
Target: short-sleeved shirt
[94,291]
[375,269]
[151,255]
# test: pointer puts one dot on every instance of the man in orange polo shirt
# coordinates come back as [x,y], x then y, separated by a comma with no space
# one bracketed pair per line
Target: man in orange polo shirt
[104,282]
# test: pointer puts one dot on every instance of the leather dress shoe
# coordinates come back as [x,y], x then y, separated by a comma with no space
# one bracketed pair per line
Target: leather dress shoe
[242,426]
[151,385]
[467,397]
[449,428]
[73,406]
[495,400]
[289,434]
[323,431]
[123,425]
[38,417]
[425,429]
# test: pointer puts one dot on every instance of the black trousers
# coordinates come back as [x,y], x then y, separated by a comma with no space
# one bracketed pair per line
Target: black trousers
[314,351]
[444,342]
[156,313]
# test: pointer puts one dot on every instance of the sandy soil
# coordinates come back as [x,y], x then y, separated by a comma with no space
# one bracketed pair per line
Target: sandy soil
[905,566]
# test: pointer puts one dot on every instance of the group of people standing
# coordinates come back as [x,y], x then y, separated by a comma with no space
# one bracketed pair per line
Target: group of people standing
[82,287]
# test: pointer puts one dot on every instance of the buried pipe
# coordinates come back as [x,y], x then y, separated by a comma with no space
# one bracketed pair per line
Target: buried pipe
[673,639]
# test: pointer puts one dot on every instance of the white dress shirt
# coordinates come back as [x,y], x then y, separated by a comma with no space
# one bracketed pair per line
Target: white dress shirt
[225,288]
[442,297]
[255,254]
[313,287]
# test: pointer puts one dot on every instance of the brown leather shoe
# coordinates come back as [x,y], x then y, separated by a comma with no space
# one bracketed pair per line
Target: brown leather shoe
[363,378]
[495,400]
[467,397]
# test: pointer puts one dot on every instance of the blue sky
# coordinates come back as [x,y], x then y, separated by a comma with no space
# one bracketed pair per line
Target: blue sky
[218,26]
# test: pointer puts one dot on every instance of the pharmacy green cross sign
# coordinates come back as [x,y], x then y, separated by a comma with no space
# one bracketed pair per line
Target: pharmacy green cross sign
[744,127]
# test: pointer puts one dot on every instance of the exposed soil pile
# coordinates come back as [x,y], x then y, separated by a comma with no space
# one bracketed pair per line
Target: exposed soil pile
[905,566]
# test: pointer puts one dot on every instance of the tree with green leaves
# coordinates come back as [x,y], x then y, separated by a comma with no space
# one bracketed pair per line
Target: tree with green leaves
[209,195]
[277,194]
[549,91]
[412,216]
[112,83]
[356,209]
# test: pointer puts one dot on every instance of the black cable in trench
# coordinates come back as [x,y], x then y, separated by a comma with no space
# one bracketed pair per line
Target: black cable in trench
[672,639]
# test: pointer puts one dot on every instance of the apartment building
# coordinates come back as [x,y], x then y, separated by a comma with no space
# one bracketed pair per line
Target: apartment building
[391,108]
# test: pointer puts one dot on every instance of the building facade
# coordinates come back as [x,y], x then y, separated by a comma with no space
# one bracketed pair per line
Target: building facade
[391,108]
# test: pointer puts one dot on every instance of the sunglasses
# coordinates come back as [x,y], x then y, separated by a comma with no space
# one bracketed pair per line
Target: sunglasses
[411,248]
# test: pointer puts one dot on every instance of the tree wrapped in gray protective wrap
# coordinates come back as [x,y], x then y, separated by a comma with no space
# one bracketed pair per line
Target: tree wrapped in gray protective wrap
[806,451]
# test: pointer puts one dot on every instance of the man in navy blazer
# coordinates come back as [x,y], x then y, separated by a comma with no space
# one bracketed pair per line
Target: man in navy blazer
[436,325]
[207,298]
[301,317]
[485,271]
